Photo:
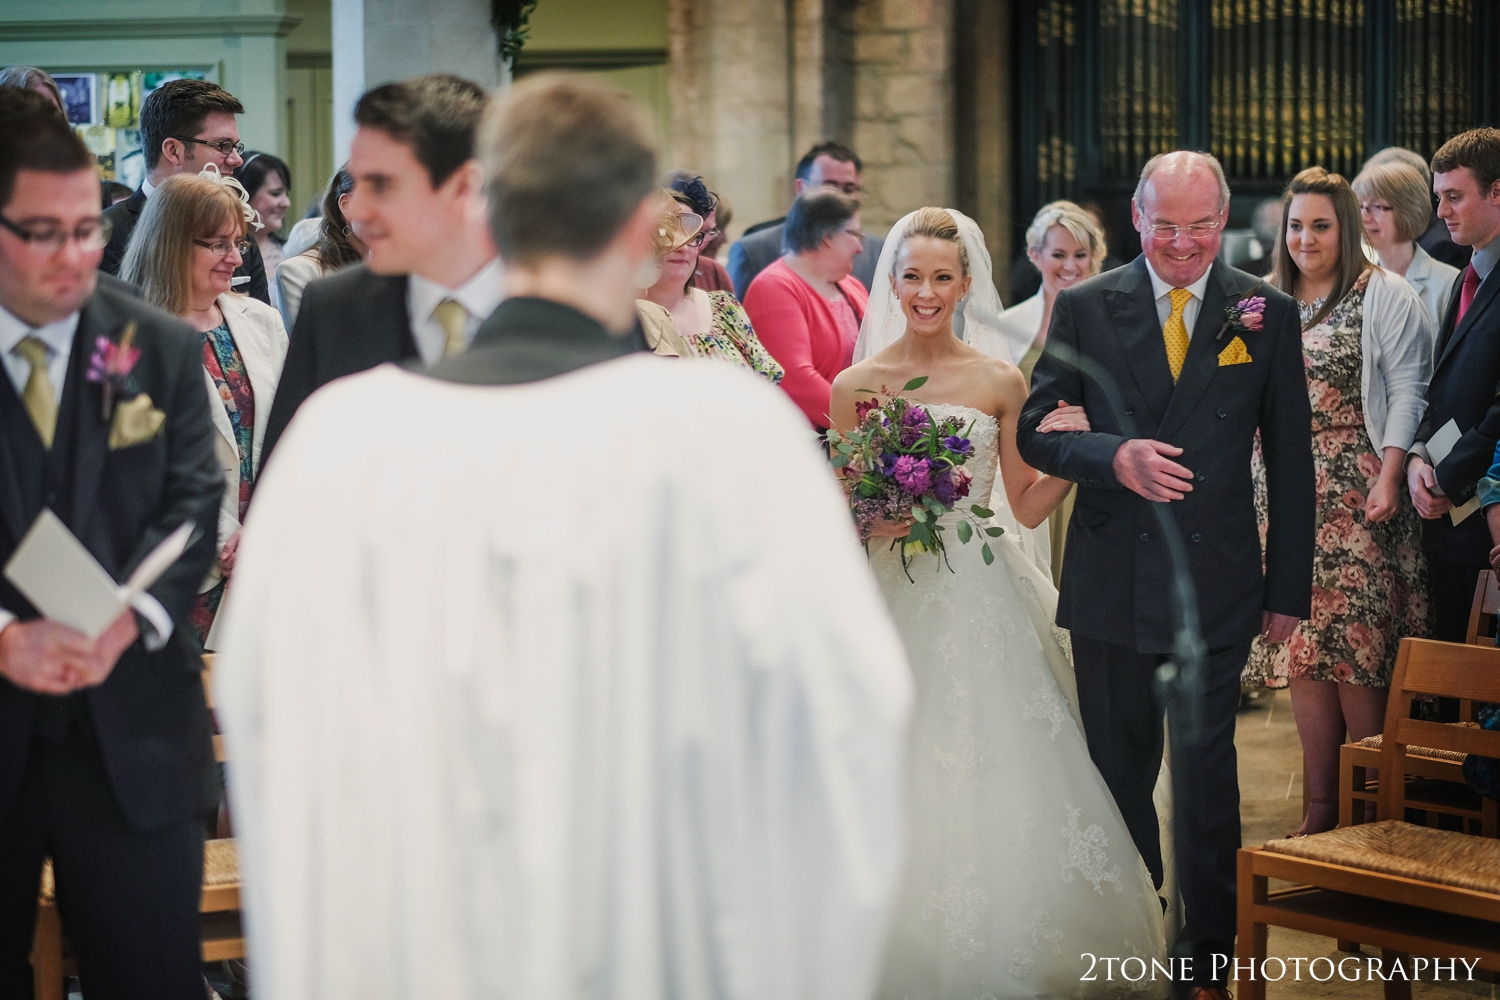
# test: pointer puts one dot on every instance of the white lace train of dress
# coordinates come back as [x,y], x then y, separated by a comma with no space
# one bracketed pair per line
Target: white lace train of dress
[1018,859]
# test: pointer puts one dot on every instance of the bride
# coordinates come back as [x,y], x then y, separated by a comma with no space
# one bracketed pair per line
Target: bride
[1018,860]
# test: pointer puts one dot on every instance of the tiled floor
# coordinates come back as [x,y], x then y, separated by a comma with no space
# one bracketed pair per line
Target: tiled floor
[1270,806]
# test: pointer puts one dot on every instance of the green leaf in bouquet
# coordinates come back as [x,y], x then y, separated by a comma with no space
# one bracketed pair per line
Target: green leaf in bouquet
[989,556]
[920,533]
[982,511]
[840,460]
[935,506]
[965,532]
[994,532]
[915,383]
[919,514]
[861,392]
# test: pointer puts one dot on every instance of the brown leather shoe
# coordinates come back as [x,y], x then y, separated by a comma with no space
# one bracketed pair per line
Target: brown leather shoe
[1210,993]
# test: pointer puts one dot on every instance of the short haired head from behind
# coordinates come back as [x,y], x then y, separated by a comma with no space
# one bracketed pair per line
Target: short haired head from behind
[816,215]
[52,235]
[1401,187]
[436,115]
[179,108]
[32,78]
[568,163]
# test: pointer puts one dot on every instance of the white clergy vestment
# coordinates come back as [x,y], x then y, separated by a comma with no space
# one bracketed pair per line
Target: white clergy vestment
[578,688]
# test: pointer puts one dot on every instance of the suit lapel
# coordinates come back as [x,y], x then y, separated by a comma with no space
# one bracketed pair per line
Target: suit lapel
[12,504]
[1133,312]
[1482,298]
[390,300]
[79,419]
[1202,361]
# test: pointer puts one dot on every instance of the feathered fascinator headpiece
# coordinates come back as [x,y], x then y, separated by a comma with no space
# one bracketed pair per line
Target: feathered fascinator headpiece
[234,187]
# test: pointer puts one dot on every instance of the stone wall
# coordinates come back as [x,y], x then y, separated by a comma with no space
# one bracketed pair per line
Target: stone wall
[756,82]
[903,107]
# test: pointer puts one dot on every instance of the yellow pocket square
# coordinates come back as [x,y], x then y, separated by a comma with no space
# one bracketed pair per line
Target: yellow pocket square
[136,422]
[1235,354]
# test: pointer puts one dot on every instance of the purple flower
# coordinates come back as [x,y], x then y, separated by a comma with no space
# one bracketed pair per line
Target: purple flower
[916,417]
[913,475]
[887,463]
[957,445]
[942,488]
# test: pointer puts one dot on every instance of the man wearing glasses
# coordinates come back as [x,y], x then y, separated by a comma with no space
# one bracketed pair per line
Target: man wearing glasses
[106,759]
[828,164]
[185,125]
[1201,357]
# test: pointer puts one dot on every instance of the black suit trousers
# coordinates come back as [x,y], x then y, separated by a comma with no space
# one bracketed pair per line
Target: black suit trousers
[128,898]
[1122,720]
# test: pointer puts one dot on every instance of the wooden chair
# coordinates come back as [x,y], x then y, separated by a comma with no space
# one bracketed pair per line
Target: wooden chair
[1409,890]
[1438,788]
[1484,610]
[223,937]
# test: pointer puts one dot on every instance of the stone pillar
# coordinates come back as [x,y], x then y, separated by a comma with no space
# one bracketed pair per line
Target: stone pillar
[903,114]
[378,41]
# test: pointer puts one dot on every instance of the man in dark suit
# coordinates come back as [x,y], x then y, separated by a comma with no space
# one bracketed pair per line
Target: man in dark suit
[106,760]
[185,125]
[828,164]
[431,275]
[1465,381]
[1195,390]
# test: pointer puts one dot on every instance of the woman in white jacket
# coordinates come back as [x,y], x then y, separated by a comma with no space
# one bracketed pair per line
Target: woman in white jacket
[1395,206]
[1067,246]
[191,237]
[1367,347]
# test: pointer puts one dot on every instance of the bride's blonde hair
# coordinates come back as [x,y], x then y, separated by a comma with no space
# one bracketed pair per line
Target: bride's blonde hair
[937,224]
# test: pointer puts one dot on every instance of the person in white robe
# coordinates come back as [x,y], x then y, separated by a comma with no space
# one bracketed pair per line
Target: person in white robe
[556,670]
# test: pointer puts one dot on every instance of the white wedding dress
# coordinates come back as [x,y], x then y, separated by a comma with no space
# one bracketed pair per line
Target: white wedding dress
[1019,861]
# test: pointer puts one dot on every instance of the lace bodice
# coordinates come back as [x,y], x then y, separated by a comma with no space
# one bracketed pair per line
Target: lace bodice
[984,433]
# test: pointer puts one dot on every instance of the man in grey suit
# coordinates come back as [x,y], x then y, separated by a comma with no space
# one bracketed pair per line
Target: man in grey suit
[830,164]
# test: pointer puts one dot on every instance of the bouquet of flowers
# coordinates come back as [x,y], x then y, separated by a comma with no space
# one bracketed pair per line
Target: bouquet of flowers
[900,464]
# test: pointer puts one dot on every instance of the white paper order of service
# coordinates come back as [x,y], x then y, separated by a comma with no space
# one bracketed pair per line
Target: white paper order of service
[65,582]
[1438,447]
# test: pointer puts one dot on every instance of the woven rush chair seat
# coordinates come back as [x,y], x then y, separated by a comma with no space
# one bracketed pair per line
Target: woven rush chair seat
[1374,743]
[1393,847]
[221,866]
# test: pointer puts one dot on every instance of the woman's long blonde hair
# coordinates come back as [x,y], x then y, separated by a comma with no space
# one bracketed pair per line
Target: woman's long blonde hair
[159,259]
[1078,222]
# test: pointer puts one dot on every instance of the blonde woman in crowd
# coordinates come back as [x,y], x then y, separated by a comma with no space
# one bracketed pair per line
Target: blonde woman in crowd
[193,233]
[1395,206]
[1067,246]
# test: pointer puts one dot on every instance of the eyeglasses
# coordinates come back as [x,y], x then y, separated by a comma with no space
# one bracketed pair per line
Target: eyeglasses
[220,248]
[850,187]
[1199,231]
[699,239]
[1374,208]
[224,146]
[91,234]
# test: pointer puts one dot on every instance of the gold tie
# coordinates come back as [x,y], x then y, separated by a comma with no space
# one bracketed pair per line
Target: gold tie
[454,319]
[1176,333]
[38,397]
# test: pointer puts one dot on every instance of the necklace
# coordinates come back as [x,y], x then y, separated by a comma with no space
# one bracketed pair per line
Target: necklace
[1307,310]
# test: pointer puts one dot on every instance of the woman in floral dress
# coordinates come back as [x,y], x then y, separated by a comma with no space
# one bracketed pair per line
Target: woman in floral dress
[1367,347]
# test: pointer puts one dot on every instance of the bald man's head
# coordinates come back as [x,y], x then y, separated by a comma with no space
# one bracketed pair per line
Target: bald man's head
[1180,206]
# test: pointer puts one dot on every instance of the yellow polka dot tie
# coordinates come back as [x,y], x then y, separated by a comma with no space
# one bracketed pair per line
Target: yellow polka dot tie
[1176,333]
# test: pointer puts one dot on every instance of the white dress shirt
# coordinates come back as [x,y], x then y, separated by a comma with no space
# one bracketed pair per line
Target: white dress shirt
[479,295]
[59,340]
[1162,292]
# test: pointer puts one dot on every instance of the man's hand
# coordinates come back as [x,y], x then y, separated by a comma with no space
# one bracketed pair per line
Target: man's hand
[106,651]
[1146,467]
[1276,628]
[43,656]
[1421,481]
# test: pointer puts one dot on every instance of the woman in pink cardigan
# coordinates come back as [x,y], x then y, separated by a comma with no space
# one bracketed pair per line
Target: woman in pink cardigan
[806,307]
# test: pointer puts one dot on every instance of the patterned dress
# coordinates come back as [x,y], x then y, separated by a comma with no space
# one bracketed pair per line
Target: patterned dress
[729,336]
[225,366]
[1369,580]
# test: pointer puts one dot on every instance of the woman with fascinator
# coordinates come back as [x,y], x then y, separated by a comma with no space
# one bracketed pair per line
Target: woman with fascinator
[1018,860]
[192,235]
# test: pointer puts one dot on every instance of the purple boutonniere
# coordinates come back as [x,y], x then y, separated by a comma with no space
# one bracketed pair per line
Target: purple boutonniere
[110,365]
[1246,315]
